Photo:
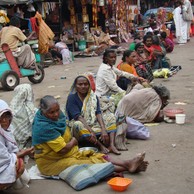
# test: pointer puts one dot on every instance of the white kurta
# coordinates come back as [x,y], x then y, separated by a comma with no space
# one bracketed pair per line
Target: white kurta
[8,158]
[65,52]
[106,80]
[8,150]
[181,26]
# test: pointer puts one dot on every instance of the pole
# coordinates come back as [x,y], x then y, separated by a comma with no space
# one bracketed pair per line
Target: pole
[60,17]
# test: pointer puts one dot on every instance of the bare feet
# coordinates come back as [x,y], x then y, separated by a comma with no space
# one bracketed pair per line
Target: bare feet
[103,149]
[133,164]
[142,167]
[120,139]
[121,146]
[114,150]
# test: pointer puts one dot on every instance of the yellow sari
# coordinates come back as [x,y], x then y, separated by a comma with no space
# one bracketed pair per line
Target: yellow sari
[50,162]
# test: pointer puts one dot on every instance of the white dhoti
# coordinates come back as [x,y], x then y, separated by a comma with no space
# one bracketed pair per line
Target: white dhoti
[25,57]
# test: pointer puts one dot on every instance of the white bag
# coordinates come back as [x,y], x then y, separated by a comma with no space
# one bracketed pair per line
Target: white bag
[136,130]
[186,16]
[22,181]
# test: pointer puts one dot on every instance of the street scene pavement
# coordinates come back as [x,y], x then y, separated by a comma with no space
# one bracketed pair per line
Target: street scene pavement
[170,147]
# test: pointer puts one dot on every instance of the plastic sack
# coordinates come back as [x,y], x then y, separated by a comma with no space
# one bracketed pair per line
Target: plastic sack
[22,181]
[162,73]
[136,130]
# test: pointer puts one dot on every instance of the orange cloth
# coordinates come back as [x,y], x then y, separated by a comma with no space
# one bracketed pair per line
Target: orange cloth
[127,68]
[45,35]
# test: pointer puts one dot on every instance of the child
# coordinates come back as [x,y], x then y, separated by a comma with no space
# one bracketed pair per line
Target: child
[167,43]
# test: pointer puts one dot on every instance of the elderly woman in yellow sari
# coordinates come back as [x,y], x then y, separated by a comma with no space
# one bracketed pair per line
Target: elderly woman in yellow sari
[86,119]
[56,150]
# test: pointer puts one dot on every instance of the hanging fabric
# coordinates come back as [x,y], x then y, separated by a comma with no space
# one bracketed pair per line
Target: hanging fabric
[45,34]
[94,13]
[73,20]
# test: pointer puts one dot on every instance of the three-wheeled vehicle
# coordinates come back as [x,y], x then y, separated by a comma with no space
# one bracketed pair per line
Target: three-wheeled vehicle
[10,72]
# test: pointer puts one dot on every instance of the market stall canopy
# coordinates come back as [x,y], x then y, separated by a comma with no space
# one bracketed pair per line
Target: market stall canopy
[12,2]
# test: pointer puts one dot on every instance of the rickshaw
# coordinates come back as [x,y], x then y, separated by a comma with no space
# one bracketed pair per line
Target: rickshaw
[10,72]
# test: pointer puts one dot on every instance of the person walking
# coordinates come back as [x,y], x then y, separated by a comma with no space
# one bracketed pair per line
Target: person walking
[180,24]
[187,7]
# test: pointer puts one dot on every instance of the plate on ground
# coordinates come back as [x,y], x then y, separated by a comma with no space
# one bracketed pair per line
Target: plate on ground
[88,148]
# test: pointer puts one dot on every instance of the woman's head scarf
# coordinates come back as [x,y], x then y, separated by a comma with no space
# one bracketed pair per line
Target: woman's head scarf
[4,107]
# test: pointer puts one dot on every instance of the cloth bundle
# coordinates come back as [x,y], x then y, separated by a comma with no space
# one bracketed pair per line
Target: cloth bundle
[82,176]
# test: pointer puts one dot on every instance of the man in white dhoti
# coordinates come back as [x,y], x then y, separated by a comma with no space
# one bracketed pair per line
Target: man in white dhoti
[180,24]
[187,7]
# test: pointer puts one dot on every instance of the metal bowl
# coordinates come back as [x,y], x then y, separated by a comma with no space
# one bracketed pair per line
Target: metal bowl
[88,148]
[171,112]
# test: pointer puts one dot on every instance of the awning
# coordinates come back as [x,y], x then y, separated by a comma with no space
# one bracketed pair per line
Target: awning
[13,2]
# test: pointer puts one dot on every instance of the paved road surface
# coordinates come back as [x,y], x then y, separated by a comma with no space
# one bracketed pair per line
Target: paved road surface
[171,169]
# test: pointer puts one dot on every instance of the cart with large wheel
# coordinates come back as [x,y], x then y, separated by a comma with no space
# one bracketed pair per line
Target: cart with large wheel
[10,73]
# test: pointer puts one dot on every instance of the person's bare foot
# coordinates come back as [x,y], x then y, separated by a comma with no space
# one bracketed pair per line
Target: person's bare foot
[114,150]
[103,149]
[142,167]
[121,147]
[133,164]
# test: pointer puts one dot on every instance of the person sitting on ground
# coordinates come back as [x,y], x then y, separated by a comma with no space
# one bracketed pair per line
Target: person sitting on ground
[127,62]
[144,104]
[153,28]
[12,35]
[154,52]
[142,66]
[23,110]
[101,37]
[136,39]
[160,56]
[96,50]
[61,52]
[56,149]
[126,65]
[167,43]
[102,42]
[11,159]
[88,122]
[107,75]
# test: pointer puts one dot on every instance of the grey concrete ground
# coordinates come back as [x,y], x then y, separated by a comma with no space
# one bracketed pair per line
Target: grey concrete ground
[171,168]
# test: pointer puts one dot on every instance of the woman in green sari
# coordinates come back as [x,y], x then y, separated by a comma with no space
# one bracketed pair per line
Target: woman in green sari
[86,119]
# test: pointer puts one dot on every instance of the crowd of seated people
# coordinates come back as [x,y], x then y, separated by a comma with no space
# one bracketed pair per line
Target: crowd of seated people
[56,134]
[90,116]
